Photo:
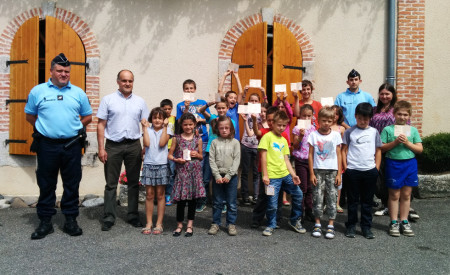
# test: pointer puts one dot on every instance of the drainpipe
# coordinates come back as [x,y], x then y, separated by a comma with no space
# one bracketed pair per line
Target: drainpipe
[391,43]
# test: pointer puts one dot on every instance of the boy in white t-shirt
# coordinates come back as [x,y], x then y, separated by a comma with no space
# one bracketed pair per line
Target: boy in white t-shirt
[361,155]
[325,170]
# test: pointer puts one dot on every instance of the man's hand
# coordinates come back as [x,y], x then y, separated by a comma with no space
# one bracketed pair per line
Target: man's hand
[102,155]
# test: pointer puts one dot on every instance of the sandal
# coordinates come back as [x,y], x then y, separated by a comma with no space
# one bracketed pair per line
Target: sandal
[177,233]
[286,203]
[158,229]
[189,234]
[147,230]
[339,209]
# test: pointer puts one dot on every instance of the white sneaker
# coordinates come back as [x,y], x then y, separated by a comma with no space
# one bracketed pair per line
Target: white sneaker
[382,212]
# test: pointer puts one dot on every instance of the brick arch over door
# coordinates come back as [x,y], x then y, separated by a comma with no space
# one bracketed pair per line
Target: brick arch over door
[92,55]
[233,34]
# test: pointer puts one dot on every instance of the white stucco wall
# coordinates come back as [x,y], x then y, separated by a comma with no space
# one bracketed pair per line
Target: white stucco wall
[165,42]
[437,64]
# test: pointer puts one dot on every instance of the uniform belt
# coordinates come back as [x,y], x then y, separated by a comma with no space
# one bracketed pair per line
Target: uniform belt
[124,141]
[58,140]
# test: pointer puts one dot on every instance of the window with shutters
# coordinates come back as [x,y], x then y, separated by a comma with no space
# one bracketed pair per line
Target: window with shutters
[34,45]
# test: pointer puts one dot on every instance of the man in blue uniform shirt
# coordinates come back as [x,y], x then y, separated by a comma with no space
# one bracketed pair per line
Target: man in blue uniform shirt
[58,112]
[119,119]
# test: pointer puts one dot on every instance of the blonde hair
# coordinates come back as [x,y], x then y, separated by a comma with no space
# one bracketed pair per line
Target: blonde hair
[403,104]
[327,112]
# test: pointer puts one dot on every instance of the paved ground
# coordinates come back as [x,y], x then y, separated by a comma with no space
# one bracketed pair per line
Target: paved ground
[123,250]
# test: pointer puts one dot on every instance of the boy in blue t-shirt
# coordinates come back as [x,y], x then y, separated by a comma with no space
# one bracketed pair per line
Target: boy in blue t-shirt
[361,158]
[401,167]
[232,100]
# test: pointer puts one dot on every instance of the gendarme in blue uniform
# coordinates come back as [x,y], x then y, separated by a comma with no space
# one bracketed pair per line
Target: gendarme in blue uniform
[348,102]
[58,110]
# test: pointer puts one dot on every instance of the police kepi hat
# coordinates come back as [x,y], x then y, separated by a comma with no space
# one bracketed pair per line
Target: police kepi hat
[61,60]
[353,73]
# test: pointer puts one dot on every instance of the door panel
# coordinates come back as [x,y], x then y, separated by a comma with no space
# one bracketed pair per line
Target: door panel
[23,77]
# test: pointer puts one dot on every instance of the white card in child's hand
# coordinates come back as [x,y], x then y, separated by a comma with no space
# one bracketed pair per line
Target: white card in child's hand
[233,67]
[294,86]
[327,101]
[255,83]
[270,190]
[242,109]
[304,124]
[254,108]
[189,97]
[280,88]
[214,97]
[402,129]
[187,154]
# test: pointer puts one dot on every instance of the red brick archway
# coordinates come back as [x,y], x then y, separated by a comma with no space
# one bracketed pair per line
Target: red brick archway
[233,34]
[89,42]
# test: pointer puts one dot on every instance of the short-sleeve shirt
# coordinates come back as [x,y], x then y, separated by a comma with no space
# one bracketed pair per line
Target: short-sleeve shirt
[325,156]
[58,109]
[348,102]
[233,114]
[123,115]
[249,141]
[171,130]
[154,154]
[276,147]
[400,151]
[213,136]
[362,145]
[303,151]
[193,109]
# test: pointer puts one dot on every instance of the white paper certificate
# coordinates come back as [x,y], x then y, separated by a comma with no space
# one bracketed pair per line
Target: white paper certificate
[327,101]
[233,67]
[304,124]
[402,129]
[254,108]
[270,190]
[242,109]
[280,88]
[187,154]
[295,86]
[255,83]
[189,97]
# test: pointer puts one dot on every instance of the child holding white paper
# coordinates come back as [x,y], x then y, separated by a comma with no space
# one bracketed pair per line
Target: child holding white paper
[283,105]
[188,185]
[224,159]
[306,92]
[400,168]
[249,151]
[167,106]
[300,153]
[232,98]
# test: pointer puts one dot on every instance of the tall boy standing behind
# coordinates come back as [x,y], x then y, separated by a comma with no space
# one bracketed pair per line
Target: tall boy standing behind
[349,99]
[278,173]
[361,154]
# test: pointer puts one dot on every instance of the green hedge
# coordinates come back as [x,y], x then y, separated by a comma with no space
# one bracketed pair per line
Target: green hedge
[435,157]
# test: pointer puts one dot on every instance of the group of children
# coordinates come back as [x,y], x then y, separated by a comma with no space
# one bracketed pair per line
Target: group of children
[333,150]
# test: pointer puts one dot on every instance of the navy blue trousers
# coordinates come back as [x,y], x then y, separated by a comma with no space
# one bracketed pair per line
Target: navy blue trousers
[53,158]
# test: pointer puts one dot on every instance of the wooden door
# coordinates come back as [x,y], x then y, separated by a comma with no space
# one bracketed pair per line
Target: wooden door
[250,52]
[287,59]
[23,77]
[61,38]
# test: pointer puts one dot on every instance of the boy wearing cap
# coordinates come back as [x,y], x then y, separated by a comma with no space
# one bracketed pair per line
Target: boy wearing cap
[57,144]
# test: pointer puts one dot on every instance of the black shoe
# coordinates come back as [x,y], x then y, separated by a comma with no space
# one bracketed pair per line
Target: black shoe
[255,224]
[351,232]
[44,228]
[189,234]
[135,222]
[106,226]
[71,227]
[367,233]
[246,202]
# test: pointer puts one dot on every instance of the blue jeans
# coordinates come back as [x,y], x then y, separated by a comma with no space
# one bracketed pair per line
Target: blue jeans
[284,184]
[169,187]
[225,192]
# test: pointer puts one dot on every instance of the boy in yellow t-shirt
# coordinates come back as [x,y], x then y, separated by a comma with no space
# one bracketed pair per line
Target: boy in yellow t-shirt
[278,173]
[167,106]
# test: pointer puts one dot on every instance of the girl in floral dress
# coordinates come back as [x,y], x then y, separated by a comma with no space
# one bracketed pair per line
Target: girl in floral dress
[186,152]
